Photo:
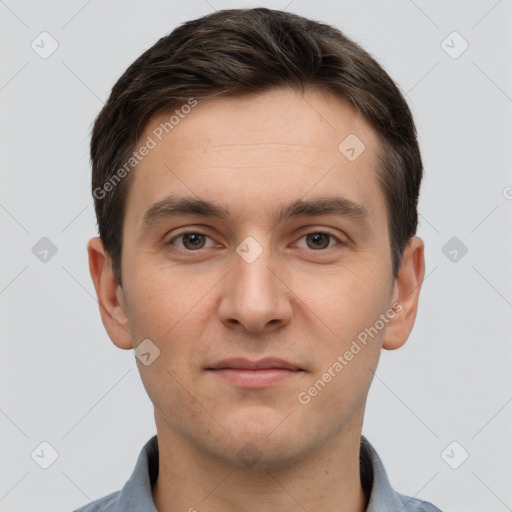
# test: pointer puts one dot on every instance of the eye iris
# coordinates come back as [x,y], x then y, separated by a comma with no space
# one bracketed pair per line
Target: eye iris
[194,239]
[317,237]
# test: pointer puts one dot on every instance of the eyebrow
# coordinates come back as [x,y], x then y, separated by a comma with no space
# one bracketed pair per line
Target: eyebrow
[332,205]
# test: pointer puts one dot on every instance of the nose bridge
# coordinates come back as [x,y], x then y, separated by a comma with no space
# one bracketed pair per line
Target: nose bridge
[254,296]
[252,269]
[254,280]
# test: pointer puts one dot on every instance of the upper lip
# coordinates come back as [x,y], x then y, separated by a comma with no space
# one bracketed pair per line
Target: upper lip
[245,364]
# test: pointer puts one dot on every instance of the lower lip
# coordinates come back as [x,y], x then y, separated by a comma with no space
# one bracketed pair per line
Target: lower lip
[255,378]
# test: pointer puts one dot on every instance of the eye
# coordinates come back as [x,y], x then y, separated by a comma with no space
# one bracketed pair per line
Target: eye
[318,240]
[191,240]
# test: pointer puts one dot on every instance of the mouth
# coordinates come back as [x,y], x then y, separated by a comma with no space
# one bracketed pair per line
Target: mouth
[255,374]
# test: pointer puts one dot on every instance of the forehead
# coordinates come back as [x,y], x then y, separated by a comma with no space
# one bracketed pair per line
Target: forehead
[316,120]
[256,151]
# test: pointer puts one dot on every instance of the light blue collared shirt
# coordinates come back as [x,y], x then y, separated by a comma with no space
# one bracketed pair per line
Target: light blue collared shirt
[136,496]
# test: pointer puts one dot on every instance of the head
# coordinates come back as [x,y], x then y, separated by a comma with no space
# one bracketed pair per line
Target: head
[293,156]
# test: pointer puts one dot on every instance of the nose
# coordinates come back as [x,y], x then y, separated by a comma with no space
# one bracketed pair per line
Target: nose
[255,296]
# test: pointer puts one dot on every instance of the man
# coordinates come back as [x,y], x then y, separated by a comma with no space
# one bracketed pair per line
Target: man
[256,177]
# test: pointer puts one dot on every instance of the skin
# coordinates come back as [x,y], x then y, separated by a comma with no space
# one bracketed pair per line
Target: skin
[295,301]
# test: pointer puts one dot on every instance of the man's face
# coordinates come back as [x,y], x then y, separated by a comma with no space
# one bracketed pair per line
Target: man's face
[252,285]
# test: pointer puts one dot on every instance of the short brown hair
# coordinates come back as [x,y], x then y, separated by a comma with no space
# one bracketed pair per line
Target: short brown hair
[242,51]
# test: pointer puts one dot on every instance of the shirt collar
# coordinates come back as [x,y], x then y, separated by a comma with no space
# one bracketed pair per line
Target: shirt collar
[136,493]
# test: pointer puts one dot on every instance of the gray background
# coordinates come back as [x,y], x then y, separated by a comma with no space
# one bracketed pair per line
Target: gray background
[64,382]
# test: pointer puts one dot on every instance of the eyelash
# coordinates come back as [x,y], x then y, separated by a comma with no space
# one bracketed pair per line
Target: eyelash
[315,232]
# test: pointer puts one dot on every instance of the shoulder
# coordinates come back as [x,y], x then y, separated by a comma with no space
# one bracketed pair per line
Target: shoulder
[108,503]
[382,496]
[415,505]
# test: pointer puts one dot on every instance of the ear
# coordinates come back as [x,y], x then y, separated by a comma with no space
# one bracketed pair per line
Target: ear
[110,295]
[405,295]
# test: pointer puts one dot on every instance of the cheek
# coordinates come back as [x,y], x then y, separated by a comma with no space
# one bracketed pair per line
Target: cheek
[162,300]
[173,312]
[168,314]
[345,303]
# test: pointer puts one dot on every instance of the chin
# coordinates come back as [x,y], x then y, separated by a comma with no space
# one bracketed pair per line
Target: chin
[265,445]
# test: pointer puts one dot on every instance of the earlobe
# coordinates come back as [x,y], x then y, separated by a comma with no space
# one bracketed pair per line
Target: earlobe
[406,295]
[110,295]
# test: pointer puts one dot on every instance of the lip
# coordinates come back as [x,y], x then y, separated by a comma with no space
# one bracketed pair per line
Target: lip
[255,374]
[267,363]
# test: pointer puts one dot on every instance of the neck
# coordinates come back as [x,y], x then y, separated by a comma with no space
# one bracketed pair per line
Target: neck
[327,481]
